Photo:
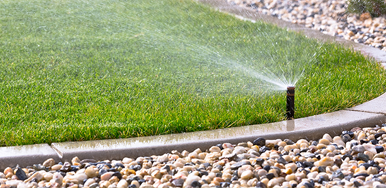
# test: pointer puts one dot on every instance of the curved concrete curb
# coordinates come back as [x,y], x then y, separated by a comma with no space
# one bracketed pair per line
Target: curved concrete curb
[311,128]
[364,115]
[26,155]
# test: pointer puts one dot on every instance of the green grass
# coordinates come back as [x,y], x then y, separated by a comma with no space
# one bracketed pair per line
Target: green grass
[84,70]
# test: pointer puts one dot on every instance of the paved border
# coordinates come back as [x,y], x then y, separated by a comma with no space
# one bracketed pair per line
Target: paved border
[310,128]
[26,155]
[364,115]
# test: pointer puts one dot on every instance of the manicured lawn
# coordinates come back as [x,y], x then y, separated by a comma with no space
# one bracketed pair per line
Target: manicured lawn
[99,69]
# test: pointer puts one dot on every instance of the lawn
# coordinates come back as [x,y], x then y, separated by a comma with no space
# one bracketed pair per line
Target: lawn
[99,69]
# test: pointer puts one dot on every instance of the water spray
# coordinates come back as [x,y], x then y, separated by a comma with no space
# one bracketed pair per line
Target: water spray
[290,102]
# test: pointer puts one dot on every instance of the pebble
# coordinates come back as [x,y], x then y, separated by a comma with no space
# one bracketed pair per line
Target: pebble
[20,174]
[326,16]
[259,142]
[122,184]
[358,149]
[49,163]
[325,161]
[91,172]
[106,176]
[192,180]
[246,175]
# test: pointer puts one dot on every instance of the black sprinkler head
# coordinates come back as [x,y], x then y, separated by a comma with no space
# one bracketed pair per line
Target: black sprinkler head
[290,102]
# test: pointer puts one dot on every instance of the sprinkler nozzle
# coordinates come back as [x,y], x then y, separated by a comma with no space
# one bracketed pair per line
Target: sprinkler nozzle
[290,102]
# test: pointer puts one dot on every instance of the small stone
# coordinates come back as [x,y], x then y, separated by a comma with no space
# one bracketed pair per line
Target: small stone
[48,176]
[106,176]
[37,175]
[89,182]
[56,178]
[127,160]
[290,177]
[49,163]
[39,167]
[273,182]
[260,185]
[291,166]
[324,141]
[346,138]
[197,184]
[363,157]
[358,149]
[379,149]
[117,174]
[240,164]
[75,161]
[289,142]
[178,182]
[81,177]
[338,140]
[66,167]
[56,167]
[262,172]
[12,183]
[364,174]
[91,172]
[361,136]
[338,162]
[372,170]
[20,174]
[104,184]
[239,150]
[214,149]
[246,175]
[264,149]
[163,159]
[288,171]
[270,176]
[356,183]
[325,161]
[84,161]
[243,144]
[370,148]
[337,174]
[327,137]
[349,133]
[134,184]
[156,174]
[8,170]
[227,145]
[281,160]
[377,135]
[259,142]
[244,168]
[122,184]
[190,179]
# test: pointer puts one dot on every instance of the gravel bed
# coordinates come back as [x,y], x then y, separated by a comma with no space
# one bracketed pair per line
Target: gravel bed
[327,16]
[356,158]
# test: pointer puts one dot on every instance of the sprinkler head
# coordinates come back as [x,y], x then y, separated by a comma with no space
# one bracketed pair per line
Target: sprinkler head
[290,102]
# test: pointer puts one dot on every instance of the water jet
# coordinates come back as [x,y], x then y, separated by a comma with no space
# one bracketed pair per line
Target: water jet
[290,102]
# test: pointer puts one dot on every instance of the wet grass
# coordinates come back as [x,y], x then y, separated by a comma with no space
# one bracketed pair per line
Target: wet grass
[85,70]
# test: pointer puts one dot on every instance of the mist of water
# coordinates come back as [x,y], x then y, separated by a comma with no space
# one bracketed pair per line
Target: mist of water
[271,78]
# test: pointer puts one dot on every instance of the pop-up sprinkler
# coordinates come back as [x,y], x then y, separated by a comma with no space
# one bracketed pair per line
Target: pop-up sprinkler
[290,102]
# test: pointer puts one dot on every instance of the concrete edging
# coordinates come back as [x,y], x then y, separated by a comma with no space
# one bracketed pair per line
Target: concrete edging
[367,114]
